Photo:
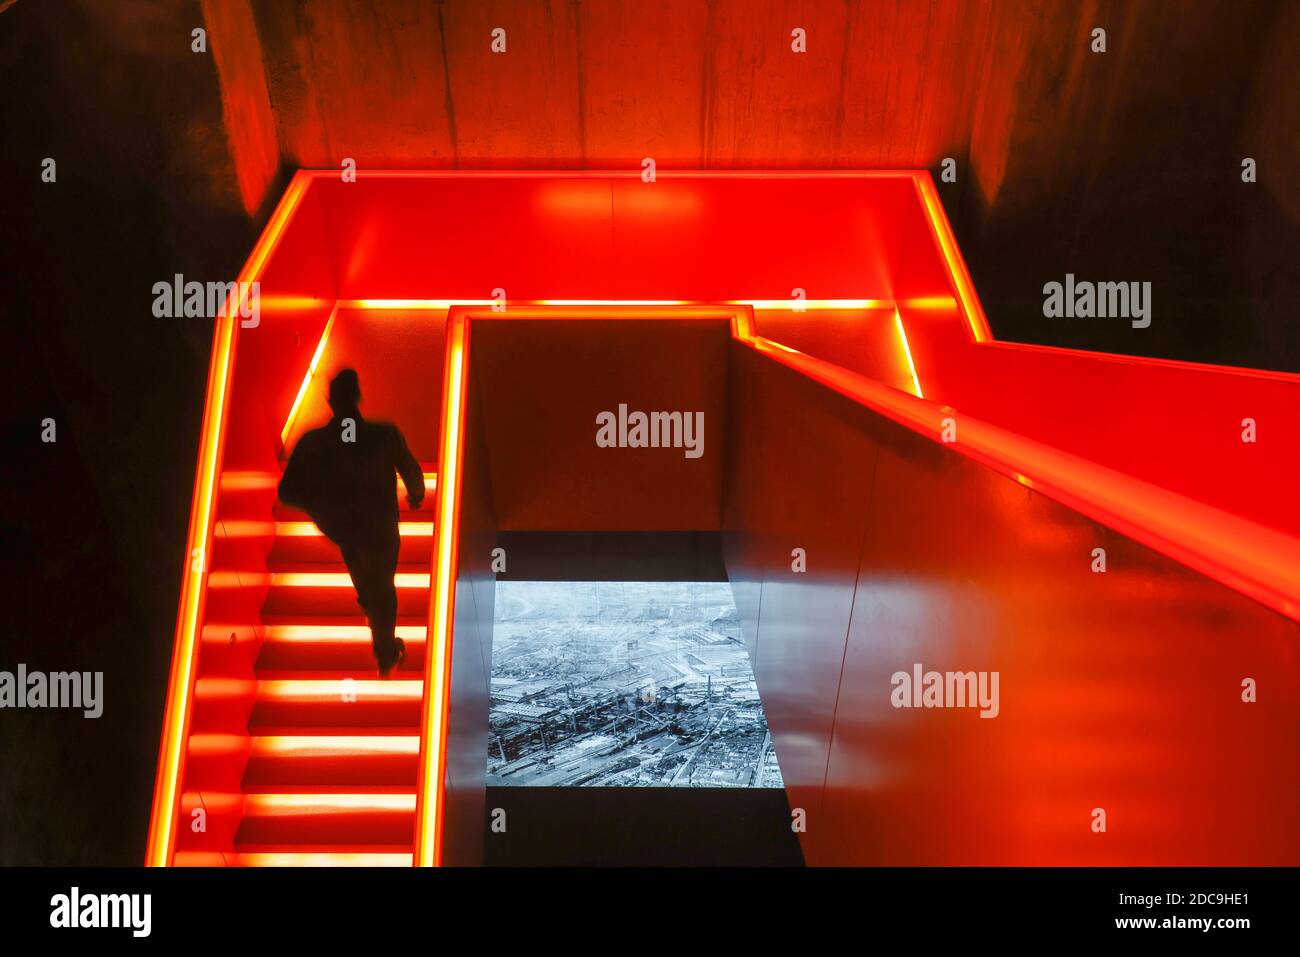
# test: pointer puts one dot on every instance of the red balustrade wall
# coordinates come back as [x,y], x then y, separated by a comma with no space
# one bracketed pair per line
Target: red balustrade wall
[1174,425]
[684,237]
[1119,691]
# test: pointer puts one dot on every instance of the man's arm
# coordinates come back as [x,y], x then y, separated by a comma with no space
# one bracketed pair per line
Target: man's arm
[296,485]
[408,468]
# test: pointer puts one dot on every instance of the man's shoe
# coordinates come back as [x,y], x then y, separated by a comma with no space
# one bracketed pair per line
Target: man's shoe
[386,666]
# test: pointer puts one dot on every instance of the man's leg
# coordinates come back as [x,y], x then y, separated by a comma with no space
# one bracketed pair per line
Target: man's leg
[372,566]
[355,558]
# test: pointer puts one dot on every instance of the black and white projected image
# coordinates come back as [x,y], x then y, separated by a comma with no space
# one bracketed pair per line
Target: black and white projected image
[624,684]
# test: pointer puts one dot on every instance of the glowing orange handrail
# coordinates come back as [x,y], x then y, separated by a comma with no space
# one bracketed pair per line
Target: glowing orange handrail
[1244,555]
[198,549]
[431,789]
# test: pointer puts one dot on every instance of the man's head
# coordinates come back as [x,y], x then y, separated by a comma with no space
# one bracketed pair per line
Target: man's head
[345,392]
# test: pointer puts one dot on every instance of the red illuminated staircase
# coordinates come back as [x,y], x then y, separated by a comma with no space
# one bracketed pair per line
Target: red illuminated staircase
[298,753]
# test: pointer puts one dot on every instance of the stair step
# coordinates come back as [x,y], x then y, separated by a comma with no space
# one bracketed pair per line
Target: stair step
[289,702]
[324,789]
[369,672]
[234,481]
[282,512]
[332,647]
[332,759]
[332,819]
[222,704]
[337,703]
[352,620]
[415,548]
[323,855]
[303,590]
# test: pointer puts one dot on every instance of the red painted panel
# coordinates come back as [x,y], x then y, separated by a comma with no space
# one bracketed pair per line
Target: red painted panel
[543,384]
[1176,425]
[795,480]
[1119,690]
[683,237]
[753,238]
[443,238]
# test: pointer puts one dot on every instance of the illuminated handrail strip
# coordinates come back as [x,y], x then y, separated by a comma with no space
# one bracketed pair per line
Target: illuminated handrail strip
[1244,555]
[792,305]
[976,321]
[180,682]
[332,175]
[340,580]
[437,703]
[907,354]
[306,379]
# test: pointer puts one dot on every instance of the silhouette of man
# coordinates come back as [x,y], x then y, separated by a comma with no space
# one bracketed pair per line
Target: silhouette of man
[341,475]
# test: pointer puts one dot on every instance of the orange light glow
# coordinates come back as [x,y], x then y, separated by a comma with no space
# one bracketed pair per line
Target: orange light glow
[605,302]
[575,199]
[813,305]
[326,745]
[307,859]
[930,302]
[976,321]
[245,528]
[247,578]
[284,302]
[243,481]
[305,689]
[907,354]
[306,380]
[250,528]
[271,805]
[309,530]
[342,634]
[437,703]
[773,304]
[411,303]
[341,579]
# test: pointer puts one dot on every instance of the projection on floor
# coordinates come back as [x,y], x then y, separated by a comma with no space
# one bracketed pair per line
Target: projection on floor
[624,684]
